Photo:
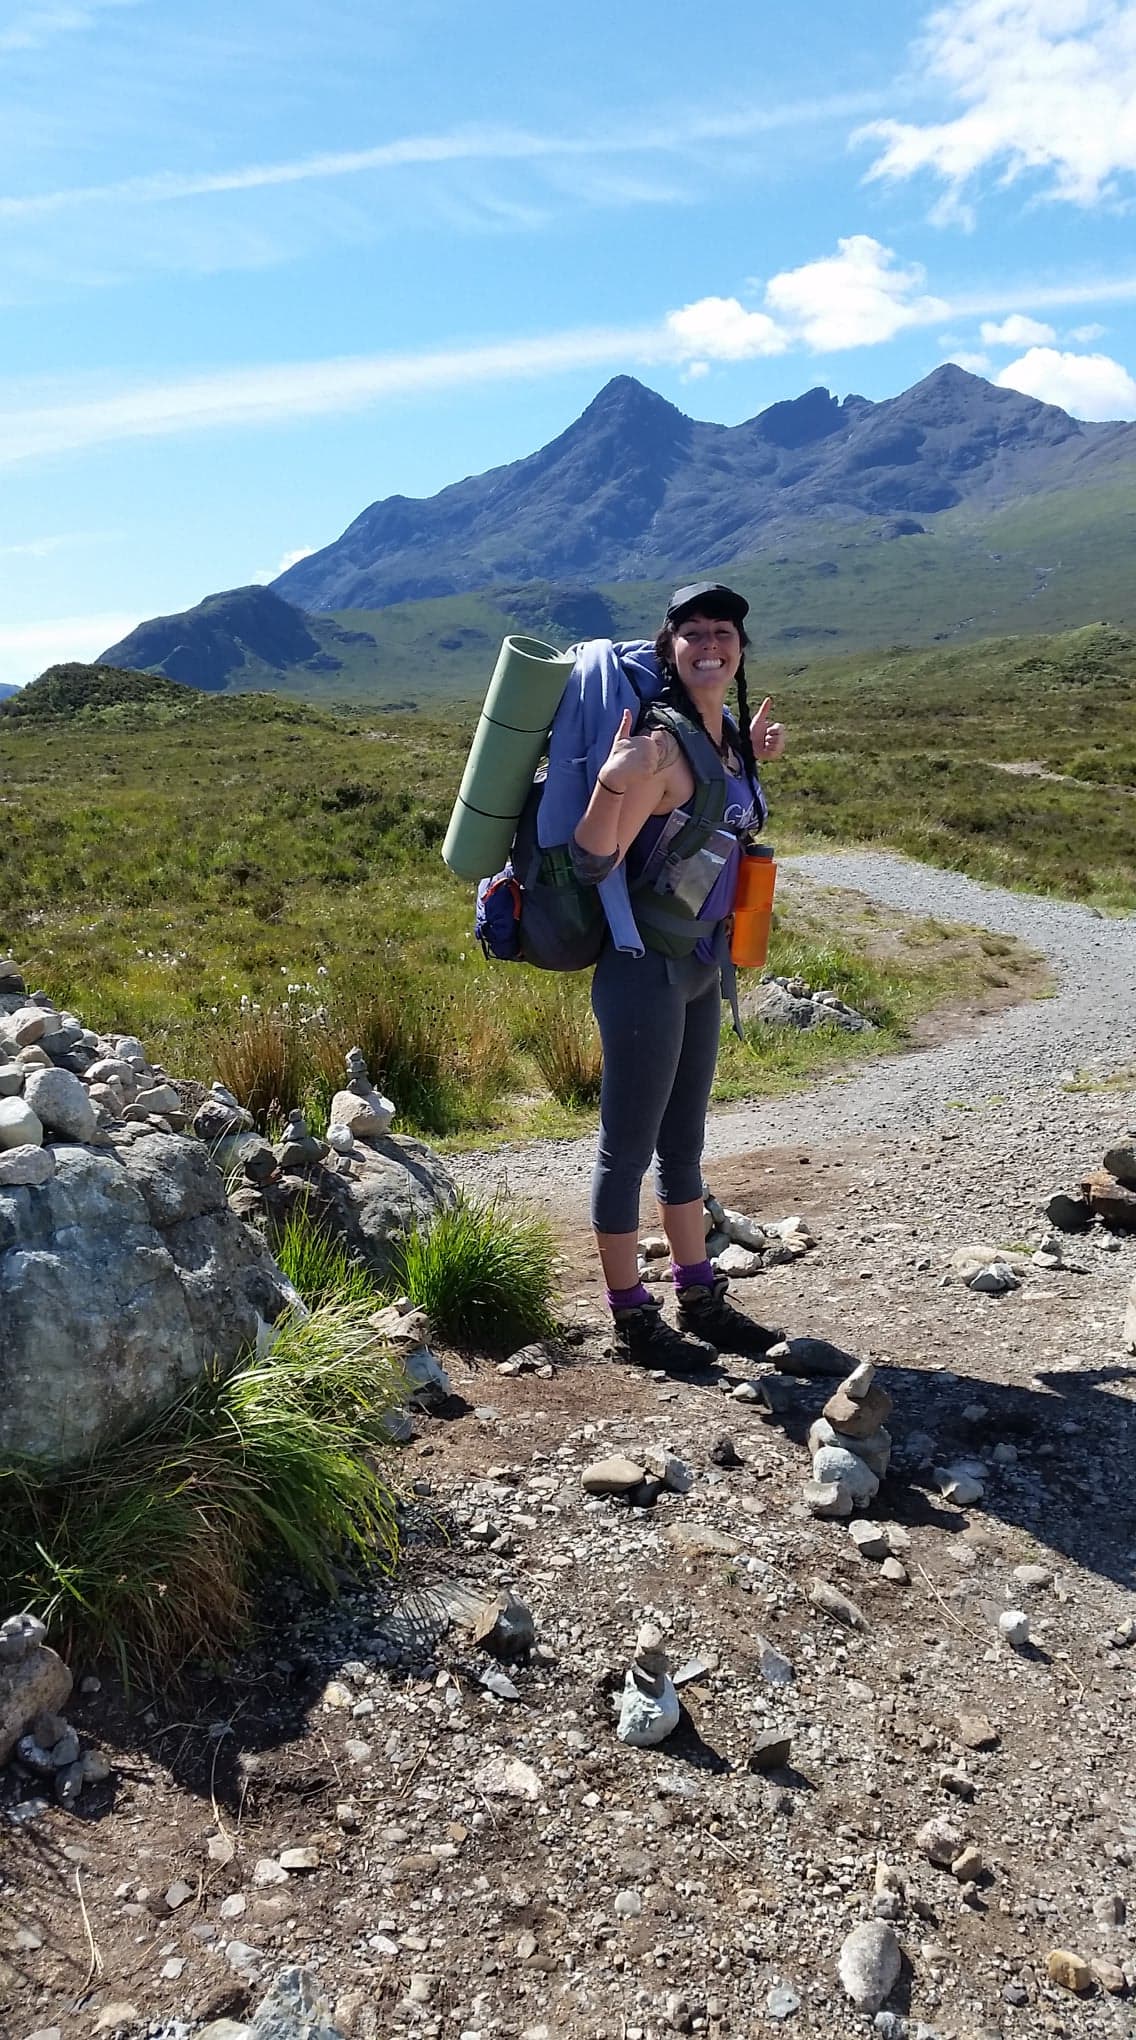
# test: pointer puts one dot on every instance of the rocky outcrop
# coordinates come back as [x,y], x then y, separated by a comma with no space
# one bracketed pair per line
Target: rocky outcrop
[122,1276]
[125,1266]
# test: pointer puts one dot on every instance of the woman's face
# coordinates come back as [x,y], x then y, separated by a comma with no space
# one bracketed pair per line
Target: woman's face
[707,650]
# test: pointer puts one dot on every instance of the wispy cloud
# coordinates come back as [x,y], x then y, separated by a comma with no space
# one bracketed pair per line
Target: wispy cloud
[40,21]
[471,144]
[859,297]
[266,394]
[1046,86]
[53,542]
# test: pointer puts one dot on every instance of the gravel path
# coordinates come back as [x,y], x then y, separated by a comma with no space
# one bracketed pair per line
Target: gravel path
[1021,1054]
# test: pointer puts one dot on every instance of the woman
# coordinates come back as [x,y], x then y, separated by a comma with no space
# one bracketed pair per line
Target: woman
[659,1014]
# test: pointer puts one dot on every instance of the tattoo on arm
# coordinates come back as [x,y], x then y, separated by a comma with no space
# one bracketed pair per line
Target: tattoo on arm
[665,752]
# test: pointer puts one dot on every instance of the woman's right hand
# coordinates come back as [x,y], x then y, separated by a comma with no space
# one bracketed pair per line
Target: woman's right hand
[632,759]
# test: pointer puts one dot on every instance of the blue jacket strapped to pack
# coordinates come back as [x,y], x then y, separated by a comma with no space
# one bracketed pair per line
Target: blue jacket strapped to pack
[606,679]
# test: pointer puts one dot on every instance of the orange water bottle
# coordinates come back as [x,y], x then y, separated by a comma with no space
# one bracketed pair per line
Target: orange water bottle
[753,906]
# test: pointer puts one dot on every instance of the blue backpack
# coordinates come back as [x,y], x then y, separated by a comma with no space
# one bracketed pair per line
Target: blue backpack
[535,910]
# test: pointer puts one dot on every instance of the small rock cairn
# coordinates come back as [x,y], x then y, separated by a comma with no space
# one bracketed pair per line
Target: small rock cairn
[649,1705]
[43,1748]
[850,1448]
[736,1244]
[1107,1193]
[793,1002]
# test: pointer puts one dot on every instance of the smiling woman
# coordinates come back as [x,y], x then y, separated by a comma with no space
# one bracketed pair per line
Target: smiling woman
[674,802]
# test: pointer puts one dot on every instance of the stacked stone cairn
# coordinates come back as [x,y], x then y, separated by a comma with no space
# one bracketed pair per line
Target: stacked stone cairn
[736,1244]
[793,1002]
[1107,1194]
[41,1746]
[649,1708]
[849,1446]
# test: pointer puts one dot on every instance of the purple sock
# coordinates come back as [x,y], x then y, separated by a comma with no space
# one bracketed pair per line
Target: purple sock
[698,1275]
[629,1299]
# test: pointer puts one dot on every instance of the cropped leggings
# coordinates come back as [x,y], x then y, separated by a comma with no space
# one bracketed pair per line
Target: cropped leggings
[660,1022]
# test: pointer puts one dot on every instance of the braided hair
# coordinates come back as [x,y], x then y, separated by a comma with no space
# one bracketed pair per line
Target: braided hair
[677,695]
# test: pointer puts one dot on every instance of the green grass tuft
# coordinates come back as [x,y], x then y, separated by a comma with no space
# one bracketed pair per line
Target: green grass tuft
[483,1275]
[320,1264]
[152,1549]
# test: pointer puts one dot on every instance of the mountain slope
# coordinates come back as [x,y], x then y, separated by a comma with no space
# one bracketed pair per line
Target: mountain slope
[634,489]
[243,632]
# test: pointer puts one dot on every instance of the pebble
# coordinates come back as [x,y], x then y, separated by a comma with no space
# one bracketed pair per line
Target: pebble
[831,1601]
[773,1665]
[940,1841]
[1071,1971]
[770,1751]
[1015,1627]
[616,1475]
[869,1964]
[1035,1577]
[977,1732]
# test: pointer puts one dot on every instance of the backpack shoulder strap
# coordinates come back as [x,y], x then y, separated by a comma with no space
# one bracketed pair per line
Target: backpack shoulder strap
[708,801]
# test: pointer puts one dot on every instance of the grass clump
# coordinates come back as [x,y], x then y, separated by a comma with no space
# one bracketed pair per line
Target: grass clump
[564,1044]
[264,1063]
[321,1265]
[483,1275]
[152,1549]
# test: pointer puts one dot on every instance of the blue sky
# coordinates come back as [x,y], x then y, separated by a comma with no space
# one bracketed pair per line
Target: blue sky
[261,264]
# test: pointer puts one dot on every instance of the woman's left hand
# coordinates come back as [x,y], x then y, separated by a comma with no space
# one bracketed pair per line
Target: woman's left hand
[768,738]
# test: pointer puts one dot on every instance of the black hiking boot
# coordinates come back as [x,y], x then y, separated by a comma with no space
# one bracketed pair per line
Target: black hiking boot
[644,1339]
[706,1313]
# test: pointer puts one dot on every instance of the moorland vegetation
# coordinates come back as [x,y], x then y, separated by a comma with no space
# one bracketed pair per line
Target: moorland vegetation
[255,885]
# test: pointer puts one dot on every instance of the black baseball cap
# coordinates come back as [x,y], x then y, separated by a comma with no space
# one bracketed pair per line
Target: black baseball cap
[713,598]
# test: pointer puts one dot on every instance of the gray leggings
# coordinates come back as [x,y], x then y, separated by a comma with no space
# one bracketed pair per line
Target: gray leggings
[660,1022]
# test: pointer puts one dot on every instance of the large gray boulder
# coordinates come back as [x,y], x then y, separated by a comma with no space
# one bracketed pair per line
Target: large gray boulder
[372,1198]
[122,1277]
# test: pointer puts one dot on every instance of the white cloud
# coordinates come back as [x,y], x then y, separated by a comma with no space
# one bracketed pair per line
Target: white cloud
[975,364]
[1087,385]
[40,21]
[695,370]
[722,329]
[1085,335]
[26,648]
[1017,331]
[53,542]
[485,144]
[855,298]
[859,297]
[286,560]
[1047,86]
[269,393]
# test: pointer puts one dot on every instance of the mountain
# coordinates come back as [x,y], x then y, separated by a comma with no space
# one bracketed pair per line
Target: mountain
[634,489]
[956,510]
[246,630]
[5,690]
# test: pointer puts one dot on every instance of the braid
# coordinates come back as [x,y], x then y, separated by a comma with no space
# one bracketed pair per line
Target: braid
[745,741]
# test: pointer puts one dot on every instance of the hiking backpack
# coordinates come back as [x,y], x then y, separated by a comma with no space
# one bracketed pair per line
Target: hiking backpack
[535,910]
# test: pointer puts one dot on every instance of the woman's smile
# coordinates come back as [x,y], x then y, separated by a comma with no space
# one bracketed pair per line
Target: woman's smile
[706,649]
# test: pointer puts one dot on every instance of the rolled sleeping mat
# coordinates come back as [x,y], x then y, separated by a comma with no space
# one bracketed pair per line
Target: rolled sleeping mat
[508,745]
